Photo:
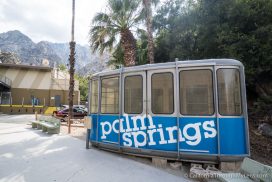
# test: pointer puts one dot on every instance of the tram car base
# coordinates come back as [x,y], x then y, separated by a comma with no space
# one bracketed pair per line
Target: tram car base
[227,171]
[225,162]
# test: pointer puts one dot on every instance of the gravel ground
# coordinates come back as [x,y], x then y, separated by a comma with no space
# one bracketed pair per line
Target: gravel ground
[76,131]
[260,146]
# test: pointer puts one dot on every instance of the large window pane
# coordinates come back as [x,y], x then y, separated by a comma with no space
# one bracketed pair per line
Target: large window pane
[133,94]
[110,95]
[196,92]
[94,96]
[162,93]
[229,92]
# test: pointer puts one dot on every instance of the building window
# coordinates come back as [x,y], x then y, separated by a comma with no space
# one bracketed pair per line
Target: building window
[94,96]
[162,93]
[229,92]
[133,94]
[196,92]
[110,95]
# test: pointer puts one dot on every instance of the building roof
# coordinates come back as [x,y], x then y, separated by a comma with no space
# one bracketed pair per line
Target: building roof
[23,66]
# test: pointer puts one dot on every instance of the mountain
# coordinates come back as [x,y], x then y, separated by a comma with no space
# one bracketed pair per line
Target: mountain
[28,52]
[20,44]
[83,53]
[96,65]
[9,57]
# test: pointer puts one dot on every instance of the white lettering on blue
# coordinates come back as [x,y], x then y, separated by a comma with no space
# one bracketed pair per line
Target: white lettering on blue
[142,128]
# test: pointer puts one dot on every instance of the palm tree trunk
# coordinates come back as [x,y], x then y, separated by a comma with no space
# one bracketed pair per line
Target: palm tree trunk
[72,69]
[128,44]
[148,21]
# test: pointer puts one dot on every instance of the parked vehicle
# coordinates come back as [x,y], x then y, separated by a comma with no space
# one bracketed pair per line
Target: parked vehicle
[77,113]
[76,107]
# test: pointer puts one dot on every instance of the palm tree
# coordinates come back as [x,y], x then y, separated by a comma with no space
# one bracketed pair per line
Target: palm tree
[117,57]
[142,47]
[72,69]
[148,21]
[115,25]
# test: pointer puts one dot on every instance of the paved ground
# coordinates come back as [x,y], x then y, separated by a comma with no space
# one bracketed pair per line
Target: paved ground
[30,155]
[18,119]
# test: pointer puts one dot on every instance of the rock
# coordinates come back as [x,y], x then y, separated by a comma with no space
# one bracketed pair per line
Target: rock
[197,172]
[176,165]
[265,129]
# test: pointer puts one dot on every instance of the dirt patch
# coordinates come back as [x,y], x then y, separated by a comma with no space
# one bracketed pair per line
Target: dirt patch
[260,145]
[76,131]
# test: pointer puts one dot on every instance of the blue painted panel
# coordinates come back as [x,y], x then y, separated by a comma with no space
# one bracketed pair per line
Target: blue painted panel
[108,129]
[163,136]
[198,135]
[158,133]
[139,131]
[232,136]
[94,126]
[133,131]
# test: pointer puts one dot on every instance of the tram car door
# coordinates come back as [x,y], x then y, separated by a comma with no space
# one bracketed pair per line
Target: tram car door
[134,111]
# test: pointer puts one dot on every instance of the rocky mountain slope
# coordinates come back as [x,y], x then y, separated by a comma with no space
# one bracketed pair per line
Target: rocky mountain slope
[9,57]
[22,47]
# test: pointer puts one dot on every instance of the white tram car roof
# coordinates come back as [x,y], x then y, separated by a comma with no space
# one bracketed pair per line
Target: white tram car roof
[189,63]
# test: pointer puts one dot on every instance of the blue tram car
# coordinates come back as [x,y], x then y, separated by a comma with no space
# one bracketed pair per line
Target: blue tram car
[183,110]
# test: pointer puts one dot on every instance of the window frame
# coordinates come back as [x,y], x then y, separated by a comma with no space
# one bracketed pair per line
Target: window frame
[173,91]
[124,98]
[212,89]
[240,87]
[100,104]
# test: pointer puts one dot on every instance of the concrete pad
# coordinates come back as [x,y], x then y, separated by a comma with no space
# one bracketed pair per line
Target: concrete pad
[159,162]
[230,166]
[30,155]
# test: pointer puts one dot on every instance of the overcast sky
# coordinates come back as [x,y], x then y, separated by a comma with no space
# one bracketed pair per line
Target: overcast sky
[49,19]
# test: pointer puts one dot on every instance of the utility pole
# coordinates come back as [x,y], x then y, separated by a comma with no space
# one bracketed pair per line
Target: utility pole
[72,68]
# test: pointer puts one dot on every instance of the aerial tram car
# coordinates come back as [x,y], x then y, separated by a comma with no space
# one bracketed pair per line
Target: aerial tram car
[183,110]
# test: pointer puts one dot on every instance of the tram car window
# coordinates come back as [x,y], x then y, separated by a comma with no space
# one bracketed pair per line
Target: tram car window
[133,94]
[94,96]
[196,92]
[229,92]
[110,95]
[162,93]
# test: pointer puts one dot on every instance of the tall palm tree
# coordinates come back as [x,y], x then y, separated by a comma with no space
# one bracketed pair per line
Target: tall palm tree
[148,22]
[72,68]
[117,24]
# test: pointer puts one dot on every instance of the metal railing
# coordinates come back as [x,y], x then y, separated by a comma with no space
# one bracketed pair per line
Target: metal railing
[5,80]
